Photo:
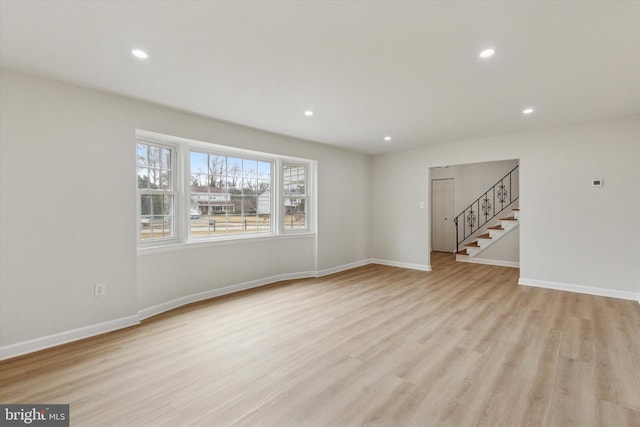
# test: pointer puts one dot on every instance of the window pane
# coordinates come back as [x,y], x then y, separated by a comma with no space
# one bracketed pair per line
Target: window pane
[294,180]
[220,196]
[217,184]
[227,194]
[249,186]
[235,203]
[156,219]
[295,192]
[145,205]
[161,204]
[199,225]
[198,162]
[217,165]
[165,158]
[233,184]
[264,170]
[249,168]
[263,208]
[143,178]
[249,205]
[154,167]
[264,223]
[154,156]
[154,179]
[198,182]
[295,214]
[234,167]
[141,155]
[263,187]
[165,180]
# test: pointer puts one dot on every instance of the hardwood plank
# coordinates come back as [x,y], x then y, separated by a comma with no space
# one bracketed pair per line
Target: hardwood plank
[375,345]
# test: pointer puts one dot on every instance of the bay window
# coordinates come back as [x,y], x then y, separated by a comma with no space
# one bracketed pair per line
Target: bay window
[190,191]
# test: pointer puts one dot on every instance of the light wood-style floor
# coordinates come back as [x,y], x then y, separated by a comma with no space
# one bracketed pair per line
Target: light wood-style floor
[462,345]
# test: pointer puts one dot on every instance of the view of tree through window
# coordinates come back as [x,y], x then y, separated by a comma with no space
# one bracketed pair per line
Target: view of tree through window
[228,195]
[155,191]
[295,196]
[194,191]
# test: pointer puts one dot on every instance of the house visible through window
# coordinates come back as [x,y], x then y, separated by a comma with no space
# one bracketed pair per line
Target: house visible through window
[294,179]
[192,191]
[229,195]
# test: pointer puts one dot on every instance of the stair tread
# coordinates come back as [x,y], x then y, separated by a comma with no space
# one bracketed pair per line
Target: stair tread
[473,244]
[515,209]
[485,236]
[496,227]
[510,218]
[462,252]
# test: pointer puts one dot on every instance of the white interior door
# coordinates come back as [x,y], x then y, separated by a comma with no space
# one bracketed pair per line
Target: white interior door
[442,232]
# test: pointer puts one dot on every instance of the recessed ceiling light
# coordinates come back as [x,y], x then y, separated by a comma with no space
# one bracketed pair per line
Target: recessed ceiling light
[487,53]
[139,53]
[308,113]
[387,138]
[527,111]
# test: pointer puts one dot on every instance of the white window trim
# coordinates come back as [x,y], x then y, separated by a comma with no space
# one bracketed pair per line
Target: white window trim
[175,191]
[181,171]
[307,197]
[226,152]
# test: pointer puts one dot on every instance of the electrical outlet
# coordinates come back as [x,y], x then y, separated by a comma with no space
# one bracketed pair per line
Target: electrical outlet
[100,289]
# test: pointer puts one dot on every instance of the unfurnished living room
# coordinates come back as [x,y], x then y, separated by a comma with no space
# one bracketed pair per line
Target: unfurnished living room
[319,213]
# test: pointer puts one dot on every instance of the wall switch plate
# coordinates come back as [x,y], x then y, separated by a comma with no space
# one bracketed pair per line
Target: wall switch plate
[100,289]
[596,182]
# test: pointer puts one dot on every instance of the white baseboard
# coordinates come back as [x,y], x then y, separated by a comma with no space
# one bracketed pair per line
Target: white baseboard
[589,290]
[422,267]
[145,313]
[497,262]
[42,343]
[30,346]
[188,299]
[343,267]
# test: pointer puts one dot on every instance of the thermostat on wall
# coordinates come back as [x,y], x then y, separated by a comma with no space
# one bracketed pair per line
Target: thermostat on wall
[596,183]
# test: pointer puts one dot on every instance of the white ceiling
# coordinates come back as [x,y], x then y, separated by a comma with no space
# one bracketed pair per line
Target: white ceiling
[409,69]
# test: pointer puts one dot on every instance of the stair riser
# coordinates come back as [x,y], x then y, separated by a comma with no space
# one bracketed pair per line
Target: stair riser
[484,243]
[495,234]
[471,252]
[507,224]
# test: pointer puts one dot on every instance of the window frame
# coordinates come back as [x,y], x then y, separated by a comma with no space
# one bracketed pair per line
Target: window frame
[181,171]
[305,197]
[173,192]
[226,154]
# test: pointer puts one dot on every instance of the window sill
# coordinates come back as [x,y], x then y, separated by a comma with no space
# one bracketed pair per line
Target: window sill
[221,242]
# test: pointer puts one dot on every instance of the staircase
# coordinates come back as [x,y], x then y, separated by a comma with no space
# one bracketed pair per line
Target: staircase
[499,201]
[493,234]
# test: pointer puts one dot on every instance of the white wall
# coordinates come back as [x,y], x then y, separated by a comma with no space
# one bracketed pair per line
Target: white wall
[67,213]
[67,210]
[470,181]
[570,234]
